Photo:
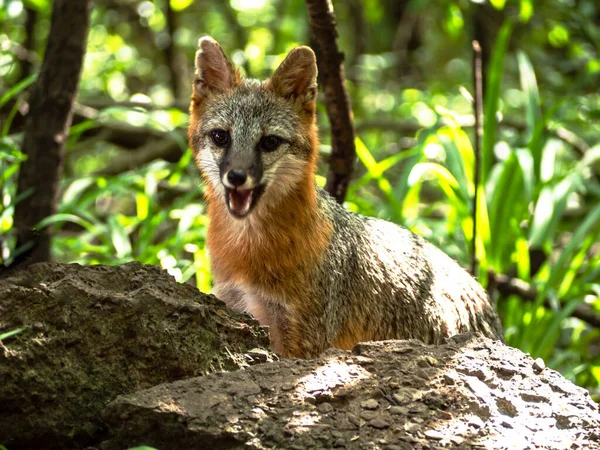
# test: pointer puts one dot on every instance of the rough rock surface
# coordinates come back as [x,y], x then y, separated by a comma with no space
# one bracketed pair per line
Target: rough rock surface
[92,333]
[468,393]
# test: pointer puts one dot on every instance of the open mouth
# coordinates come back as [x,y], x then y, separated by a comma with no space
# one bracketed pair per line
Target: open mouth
[241,201]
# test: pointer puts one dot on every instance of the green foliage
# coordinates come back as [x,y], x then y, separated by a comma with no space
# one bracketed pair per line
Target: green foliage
[124,218]
[10,161]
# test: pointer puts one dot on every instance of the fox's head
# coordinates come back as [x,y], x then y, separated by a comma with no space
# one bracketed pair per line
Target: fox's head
[254,141]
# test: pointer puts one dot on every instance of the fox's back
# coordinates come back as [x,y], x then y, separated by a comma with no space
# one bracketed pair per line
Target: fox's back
[399,284]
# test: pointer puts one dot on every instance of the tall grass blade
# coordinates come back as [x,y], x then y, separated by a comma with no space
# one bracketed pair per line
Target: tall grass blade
[492,98]
[534,119]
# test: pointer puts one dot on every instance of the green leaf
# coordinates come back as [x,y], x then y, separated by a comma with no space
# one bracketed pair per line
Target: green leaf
[483,243]
[561,265]
[119,238]
[142,205]
[525,10]
[548,211]
[75,189]
[58,218]
[492,98]
[459,158]
[376,172]
[534,119]
[39,5]
[508,205]
[498,4]
[22,85]
[180,5]
[548,163]
[8,334]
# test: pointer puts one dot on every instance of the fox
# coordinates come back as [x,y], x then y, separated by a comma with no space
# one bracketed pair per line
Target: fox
[283,250]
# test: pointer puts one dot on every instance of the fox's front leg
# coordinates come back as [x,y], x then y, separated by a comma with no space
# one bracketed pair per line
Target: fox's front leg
[267,311]
[231,295]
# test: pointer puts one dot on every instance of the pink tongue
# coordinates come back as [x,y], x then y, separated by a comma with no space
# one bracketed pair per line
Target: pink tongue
[240,201]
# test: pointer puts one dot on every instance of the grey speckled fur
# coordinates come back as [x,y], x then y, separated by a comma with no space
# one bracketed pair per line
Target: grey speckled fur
[400,284]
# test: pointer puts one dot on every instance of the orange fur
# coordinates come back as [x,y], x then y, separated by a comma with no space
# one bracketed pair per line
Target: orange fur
[277,254]
[351,335]
[273,252]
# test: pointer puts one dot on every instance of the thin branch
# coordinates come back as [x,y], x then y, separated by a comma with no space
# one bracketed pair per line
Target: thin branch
[171,52]
[513,286]
[337,101]
[102,103]
[29,43]
[168,149]
[478,87]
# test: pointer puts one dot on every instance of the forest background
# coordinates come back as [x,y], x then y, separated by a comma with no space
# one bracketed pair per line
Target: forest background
[129,189]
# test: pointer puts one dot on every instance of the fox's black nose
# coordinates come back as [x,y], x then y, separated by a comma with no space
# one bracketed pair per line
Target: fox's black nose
[237,177]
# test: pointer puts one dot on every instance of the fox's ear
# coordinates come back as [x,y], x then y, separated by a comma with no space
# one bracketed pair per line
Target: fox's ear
[214,71]
[296,76]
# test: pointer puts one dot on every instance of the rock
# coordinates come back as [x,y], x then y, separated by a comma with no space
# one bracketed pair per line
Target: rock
[434,434]
[370,404]
[325,408]
[539,364]
[467,413]
[93,333]
[379,423]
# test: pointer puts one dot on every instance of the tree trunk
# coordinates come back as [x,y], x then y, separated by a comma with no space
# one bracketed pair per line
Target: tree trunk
[47,127]
[29,43]
[331,71]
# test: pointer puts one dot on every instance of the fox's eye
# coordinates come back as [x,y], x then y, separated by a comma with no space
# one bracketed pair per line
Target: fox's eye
[220,137]
[269,143]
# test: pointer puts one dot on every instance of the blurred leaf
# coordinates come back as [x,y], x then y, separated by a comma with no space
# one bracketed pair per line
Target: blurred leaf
[376,172]
[180,5]
[534,120]
[558,36]
[492,97]
[142,205]
[483,243]
[58,218]
[119,238]
[22,85]
[561,266]
[549,209]
[75,189]
[525,10]
[507,204]
[498,4]
[38,5]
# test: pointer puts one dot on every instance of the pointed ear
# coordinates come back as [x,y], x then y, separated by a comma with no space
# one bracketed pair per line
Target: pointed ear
[214,71]
[296,76]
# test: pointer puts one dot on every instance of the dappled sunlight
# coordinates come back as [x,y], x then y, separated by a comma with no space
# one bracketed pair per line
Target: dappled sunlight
[172,406]
[325,379]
